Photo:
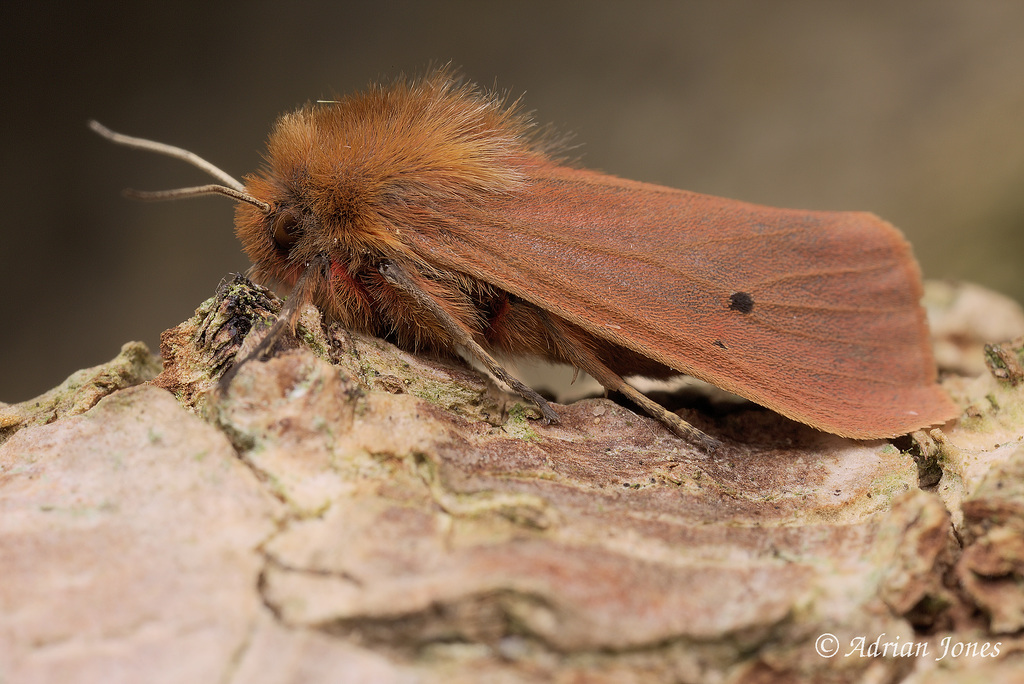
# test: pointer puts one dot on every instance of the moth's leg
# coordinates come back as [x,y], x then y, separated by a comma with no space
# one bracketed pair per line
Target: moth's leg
[656,410]
[286,321]
[579,354]
[398,278]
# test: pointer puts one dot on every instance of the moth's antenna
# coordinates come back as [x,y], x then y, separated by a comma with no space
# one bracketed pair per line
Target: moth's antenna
[179,193]
[232,188]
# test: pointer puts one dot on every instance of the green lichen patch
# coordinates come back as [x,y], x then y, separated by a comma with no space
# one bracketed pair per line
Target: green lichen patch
[82,390]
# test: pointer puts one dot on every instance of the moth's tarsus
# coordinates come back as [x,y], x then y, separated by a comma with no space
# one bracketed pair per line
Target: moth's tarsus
[574,349]
[286,321]
[260,352]
[670,420]
[398,278]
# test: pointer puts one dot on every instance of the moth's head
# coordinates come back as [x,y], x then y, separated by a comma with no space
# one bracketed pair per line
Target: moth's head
[328,197]
[290,236]
[280,240]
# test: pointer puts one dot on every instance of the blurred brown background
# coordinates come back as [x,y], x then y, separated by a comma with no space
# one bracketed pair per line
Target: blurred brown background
[913,110]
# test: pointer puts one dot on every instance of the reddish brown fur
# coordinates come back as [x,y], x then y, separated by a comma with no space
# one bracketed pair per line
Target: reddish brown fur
[361,171]
[537,258]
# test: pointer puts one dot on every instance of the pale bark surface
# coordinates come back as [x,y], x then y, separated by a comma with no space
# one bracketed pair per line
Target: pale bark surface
[349,512]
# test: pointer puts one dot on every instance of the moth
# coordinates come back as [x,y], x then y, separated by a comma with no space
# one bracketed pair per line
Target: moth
[432,213]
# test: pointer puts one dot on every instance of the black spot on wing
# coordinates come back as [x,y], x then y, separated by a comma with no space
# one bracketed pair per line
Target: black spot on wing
[742,302]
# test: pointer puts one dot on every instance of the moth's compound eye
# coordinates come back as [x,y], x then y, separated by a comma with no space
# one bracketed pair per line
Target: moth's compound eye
[285,231]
